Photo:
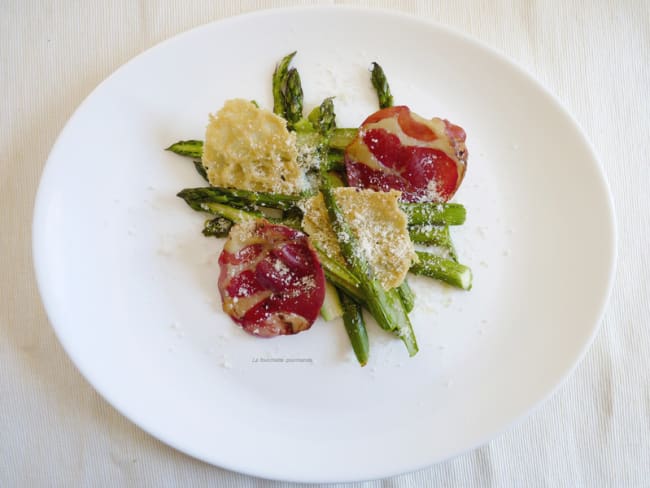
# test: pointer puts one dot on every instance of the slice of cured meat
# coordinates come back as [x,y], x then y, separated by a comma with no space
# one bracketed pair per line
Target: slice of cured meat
[397,149]
[271,282]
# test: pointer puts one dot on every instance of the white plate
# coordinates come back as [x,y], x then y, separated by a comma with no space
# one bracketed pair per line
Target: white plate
[129,282]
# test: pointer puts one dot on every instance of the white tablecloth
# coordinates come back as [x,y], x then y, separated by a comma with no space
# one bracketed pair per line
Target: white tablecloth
[594,55]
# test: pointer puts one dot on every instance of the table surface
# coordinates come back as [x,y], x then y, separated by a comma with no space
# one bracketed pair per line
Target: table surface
[55,430]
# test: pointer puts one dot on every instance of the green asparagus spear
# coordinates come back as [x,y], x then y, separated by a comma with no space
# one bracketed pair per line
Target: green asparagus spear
[235,215]
[279,76]
[450,272]
[434,213]
[379,81]
[323,117]
[239,214]
[355,327]
[406,295]
[239,198]
[385,306]
[436,235]
[190,148]
[293,97]
[197,200]
[418,214]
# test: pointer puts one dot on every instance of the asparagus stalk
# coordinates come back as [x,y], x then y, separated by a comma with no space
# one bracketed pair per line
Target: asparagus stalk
[323,117]
[235,215]
[385,306]
[434,213]
[436,235]
[406,295]
[191,148]
[355,327]
[380,83]
[450,272]
[418,214]
[293,97]
[228,206]
[279,77]
[239,198]
[287,92]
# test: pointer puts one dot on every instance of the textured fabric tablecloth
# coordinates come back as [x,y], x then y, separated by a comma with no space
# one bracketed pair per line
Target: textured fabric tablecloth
[594,55]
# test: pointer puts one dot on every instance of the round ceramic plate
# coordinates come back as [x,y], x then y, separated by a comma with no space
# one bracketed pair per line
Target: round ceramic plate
[129,282]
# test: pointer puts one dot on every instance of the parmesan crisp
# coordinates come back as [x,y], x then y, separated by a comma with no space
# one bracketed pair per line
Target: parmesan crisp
[377,222]
[251,149]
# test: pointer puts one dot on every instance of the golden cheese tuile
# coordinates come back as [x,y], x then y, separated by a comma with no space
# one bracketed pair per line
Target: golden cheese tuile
[251,149]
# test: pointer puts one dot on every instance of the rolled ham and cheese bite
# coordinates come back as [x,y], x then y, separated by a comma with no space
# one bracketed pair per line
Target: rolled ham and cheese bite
[271,282]
[396,149]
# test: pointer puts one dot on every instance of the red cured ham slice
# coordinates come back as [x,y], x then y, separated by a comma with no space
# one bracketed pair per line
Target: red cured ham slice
[397,149]
[271,282]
